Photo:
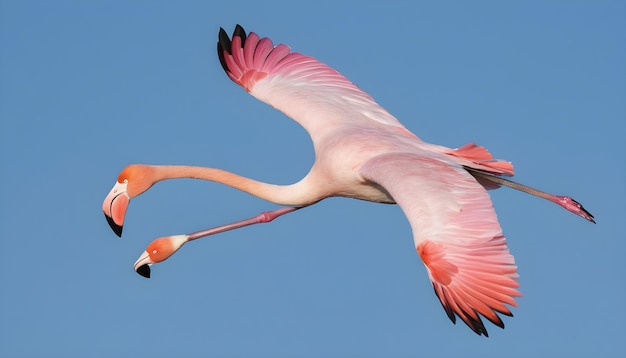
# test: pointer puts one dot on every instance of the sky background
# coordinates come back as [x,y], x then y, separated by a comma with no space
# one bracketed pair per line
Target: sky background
[89,87]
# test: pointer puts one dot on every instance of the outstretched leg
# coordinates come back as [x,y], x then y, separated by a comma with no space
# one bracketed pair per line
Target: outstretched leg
[564,201]
[264,217]
[164,247]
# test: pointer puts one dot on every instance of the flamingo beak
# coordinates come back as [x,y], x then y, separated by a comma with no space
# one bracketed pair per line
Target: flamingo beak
[114,207]
[142,266]
[159,250]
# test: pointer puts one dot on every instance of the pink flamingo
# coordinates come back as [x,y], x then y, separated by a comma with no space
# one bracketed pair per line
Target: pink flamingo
[363,152]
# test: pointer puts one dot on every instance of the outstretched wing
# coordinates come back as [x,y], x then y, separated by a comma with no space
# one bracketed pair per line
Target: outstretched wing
[308,91]
[456,233]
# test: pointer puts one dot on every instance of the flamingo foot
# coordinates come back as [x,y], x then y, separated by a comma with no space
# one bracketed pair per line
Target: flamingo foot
[573,206]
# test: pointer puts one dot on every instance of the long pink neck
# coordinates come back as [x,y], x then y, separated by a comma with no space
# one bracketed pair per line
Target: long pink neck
[297,194]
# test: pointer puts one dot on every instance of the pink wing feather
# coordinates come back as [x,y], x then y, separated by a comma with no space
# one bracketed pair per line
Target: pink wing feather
[456,233]
[305,89]
[317,96]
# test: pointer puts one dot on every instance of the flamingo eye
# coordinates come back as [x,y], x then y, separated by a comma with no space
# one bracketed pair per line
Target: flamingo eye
[125,174]
[160,249]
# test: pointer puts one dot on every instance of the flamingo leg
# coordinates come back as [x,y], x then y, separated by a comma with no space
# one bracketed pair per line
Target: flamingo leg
[264,217]
[565,201]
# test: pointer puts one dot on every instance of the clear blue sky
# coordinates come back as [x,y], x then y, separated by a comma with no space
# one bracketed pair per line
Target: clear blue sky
[88,87]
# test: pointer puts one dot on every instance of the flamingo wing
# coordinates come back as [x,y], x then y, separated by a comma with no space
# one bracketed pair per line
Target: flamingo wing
[305,89]
[456,234]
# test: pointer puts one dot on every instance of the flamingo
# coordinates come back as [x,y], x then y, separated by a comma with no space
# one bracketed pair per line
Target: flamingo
[363,152]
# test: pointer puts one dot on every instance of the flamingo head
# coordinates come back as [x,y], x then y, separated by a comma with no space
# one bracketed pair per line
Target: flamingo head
[132,181]
[159,250]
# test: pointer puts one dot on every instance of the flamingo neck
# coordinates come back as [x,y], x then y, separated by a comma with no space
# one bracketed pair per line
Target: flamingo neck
[297,194]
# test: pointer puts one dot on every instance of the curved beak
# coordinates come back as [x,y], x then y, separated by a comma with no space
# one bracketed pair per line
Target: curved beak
[142,265]
[114,207]
[159,250]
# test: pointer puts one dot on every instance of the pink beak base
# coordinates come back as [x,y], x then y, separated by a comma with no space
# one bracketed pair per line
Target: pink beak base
[114,207]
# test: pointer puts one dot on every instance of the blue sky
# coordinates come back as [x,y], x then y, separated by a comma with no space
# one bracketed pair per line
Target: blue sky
[88,87]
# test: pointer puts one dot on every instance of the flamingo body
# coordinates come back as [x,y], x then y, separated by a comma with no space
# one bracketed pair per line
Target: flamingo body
[363,152]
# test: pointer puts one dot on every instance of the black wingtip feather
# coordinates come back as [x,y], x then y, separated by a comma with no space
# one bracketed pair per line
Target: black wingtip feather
[224,41]
[223,44]
[475,325]
[240,32]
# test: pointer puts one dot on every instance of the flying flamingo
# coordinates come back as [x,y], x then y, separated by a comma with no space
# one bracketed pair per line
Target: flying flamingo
[363,152]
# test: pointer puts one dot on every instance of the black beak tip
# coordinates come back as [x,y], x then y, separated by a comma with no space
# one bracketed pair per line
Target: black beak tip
[117,229]
[144,270]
